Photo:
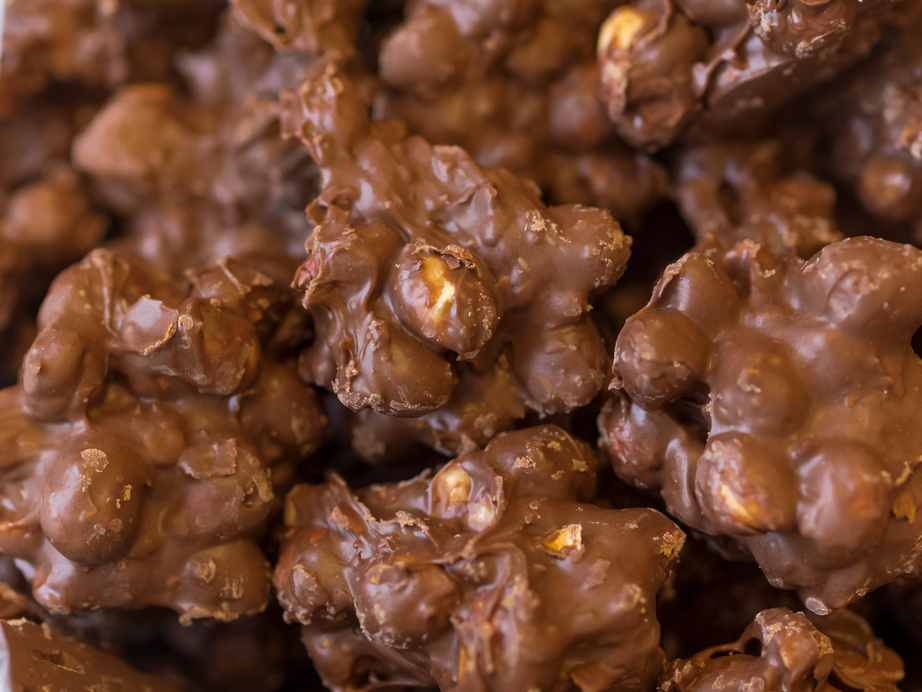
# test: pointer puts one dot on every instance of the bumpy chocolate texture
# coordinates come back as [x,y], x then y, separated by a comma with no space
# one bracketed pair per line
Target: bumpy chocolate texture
[154,427]
[48,41]
[874,125]
[439,287]
[250,654]
[775,401]
[739,191]
[515,84]
[782,650]
[187,188]
[95,44]
[60,58]
[47,219]
[668,65]
[44,226]
[34,658]
[493,574]
[311,26]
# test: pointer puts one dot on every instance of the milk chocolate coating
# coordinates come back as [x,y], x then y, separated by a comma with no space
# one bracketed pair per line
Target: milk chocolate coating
[44,226]
[515,84]
[47,41]
[311,26]
[60,59]
[873,123]
[156,423]
[34,658]
[251,654]
[774,401]
[739,191]
[432,280]
[671,69]
[482,405]
[782,650]
[210,176]
[492,574]
[47,217]
[94,45]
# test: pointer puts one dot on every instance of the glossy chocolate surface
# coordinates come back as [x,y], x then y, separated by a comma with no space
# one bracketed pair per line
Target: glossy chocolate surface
[155,424]
[782,650]
[495,573]
[440,287]
[773,400]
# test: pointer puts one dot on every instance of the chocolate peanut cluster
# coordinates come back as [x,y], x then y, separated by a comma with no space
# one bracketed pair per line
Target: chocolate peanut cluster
[459,578]
[874,131]
[45,225]
[53,41]
[747,190]
[186,189]
[440,287]
[782,650]
[696,68]
[772,400]
[156,424]
[47,216]
[516,85]
[94,45]
[306,235]
[310,26]
[60,59]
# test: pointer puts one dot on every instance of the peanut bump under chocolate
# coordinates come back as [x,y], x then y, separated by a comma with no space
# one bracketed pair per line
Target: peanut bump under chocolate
[494,573]
[774,401]
[434,282]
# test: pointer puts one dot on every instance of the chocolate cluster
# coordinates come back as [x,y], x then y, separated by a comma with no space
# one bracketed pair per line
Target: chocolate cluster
[320,339]
[180,169]
[749,190]
[516,84]
[156,423]
[782,650]
[309,26]
[45,224]
[94,46]
[60,59]
[873,125]
[461,578]
[440,289]
[772,400]
[693,68]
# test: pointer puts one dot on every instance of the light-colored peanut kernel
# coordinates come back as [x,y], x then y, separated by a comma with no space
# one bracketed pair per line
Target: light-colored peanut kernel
[441,289]
[564,541]
[620,29]
[455,484]
[739,512]
[482,515]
